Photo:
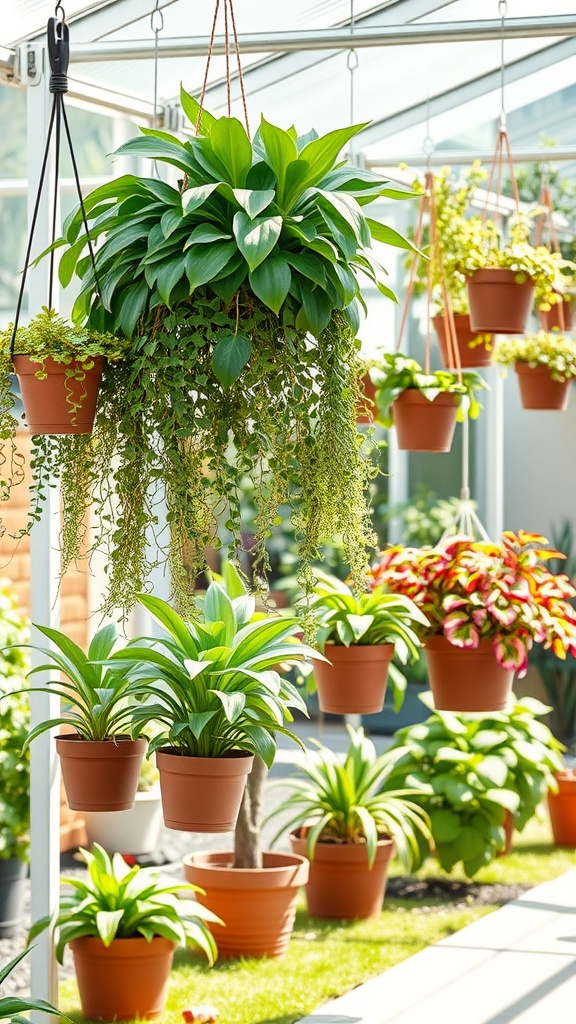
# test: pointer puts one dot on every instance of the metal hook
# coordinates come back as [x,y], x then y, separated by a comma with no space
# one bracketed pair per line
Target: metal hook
[58,46]
[62,11]
[157,20]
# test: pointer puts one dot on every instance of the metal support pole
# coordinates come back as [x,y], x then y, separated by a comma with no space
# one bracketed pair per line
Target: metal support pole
[44,769]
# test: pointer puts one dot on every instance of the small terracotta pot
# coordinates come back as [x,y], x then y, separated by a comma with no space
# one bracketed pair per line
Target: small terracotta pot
[558,318]
[466,679]
[341,883]
[202,794]
[562,809]
[100,775]
[479,355]
[258,905]
[367,411]
[355,682]
[424,426]
[499,304]
[125,980]
[50,403]
[538,390]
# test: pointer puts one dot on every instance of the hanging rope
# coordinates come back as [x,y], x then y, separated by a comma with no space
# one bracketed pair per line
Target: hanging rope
[502,151]
[58,55]
[228,17]
[352,63]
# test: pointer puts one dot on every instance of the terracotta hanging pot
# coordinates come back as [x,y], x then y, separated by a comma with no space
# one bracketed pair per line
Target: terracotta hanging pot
[341,883]
[100,775]
[367,410]
[558,318]
[424,426]
[499,304]
[478,355]
[466,679]
[538,390]
[258,905]
[562,809]
[355,681]
[202,794]
[125,980]
[57,404]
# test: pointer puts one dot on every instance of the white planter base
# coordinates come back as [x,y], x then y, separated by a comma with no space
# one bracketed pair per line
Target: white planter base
[134,831]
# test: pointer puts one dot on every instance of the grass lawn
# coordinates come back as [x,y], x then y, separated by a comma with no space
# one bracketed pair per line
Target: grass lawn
[326,959]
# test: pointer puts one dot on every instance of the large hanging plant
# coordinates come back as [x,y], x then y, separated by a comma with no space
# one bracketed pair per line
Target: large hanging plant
[239,291]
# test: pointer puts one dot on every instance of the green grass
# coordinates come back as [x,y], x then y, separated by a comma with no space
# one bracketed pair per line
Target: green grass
[326,959]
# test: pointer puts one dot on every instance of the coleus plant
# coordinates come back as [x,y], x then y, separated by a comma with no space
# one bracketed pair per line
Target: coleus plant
[471,589]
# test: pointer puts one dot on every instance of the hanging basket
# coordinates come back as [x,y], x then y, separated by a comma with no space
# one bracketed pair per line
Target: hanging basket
[424,426]
[355,681]
[202,794]
[472,347]
[466,679]
[64,400]
[538,390]
[499,303]
[559,317]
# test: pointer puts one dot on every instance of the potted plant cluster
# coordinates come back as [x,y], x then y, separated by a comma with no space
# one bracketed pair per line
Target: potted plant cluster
[545,364]
[123,925]
[14,764]
[359,635]
[59,368]
[349,822]
[423,406]
[99,757]
[487,603]
[476,775]
[239,293]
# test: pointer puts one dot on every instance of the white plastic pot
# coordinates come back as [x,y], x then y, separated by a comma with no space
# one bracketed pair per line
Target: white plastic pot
[134,831]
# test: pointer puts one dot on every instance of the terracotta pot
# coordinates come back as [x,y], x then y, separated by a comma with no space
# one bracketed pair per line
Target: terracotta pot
[100,775]
[355,682]
[466,679]
[341,884]
[479,355]
[558,318]
[367,411]
[562,809]
[538,390]
[50,404]
[258,905]
[202,794]
[499,304]
[424,426]
[126,980]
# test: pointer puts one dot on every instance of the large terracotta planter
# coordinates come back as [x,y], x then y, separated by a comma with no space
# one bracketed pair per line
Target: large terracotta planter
[562,809]
[367,411]
[13,873]
[56,404]
[126,980]
[258,905]
[202,794]
[499,304]
[341,883]
[100,775]
[466,679]
[134,831]
[424,426]
[478,355]
[559,317]
[538,390]
[355,681]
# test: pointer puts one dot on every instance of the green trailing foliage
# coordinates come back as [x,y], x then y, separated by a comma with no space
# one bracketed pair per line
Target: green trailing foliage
[554,350]
[470,770]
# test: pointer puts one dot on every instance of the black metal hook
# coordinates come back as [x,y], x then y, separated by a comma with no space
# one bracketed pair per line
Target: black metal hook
[58,54]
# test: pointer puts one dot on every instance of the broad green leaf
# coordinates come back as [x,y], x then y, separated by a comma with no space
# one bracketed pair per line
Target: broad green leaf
[445,825]
[172,152]
[256,237]
[131,305]
[196,196]
[107,921]
[203,262]
[321,153]
[280,151]
[231,353]
[271,281]
[232,147]
[168,276]
[315,313]
[192,109]
[384,233]
[254,201]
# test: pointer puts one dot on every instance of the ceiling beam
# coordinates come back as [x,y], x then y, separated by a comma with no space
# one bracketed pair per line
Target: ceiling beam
[332,39]
[97,20]
[459,156]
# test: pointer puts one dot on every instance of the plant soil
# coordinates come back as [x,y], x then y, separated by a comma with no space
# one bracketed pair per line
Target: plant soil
[445,889]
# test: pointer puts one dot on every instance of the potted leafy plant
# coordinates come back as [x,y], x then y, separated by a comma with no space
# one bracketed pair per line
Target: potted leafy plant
[487,603]
[423,406]
[545,364]
[240,294]
[123,924]
[59,368]
[100,759]
[350,824]
[14,764]
[359,636]
[476,773]
[12,1008]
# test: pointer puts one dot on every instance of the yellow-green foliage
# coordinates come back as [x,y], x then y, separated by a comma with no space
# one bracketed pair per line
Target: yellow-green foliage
[556,351]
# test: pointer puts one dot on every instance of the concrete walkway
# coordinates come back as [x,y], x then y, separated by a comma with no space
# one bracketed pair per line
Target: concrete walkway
[517,965]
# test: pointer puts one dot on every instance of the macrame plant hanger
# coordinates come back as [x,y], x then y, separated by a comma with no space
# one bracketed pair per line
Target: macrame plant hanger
[229,20]
[58,55]
[502,151]
[545,233]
